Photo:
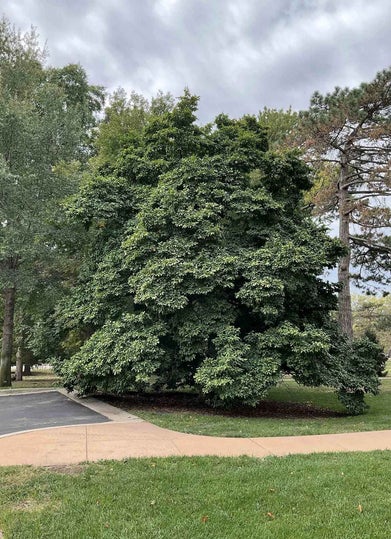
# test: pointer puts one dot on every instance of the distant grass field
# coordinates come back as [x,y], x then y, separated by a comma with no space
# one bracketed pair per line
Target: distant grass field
[378,417]
[325,496]
[43,378]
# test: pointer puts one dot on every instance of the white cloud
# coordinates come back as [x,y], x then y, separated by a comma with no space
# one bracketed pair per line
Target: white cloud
[238,56]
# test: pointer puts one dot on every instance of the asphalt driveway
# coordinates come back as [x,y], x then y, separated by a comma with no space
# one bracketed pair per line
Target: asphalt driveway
[41,410]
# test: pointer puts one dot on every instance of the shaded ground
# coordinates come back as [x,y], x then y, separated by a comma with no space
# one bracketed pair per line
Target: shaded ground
[166,403]
[41,410]
[291,410]
[39,378]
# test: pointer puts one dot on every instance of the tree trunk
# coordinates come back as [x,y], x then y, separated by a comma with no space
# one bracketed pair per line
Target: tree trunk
[8,335]
[344,298]
[23,355]
[19,365]
[27,365]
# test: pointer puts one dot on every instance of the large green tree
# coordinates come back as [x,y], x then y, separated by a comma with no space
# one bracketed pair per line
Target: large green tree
[203,270]
[347,139]
[46,117]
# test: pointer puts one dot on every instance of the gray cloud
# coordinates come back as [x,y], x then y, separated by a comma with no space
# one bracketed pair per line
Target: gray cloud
[238,55]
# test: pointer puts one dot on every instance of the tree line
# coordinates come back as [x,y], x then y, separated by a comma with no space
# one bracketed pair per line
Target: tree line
[139,249]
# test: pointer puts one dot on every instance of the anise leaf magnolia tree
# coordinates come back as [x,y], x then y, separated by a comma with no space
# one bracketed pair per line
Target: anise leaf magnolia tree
[203,270]
[46,116]
[347,137]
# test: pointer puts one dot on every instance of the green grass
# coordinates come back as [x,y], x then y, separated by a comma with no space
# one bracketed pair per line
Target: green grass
[377,418]
[344,496]
[38,379]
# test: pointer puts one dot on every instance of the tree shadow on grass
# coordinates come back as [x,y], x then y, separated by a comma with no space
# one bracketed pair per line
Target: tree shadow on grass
[173,401]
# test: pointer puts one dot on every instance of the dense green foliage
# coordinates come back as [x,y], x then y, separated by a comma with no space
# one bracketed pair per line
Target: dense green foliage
[279,125]
[203,269]
[47,117]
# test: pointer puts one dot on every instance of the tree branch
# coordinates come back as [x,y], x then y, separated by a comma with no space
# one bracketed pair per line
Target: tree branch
[374,246]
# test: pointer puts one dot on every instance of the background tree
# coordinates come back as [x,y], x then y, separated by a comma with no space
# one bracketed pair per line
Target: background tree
[279,125]
[124,117]
[123,121]
[347,139]
[45,117]
[373,314]
[203,270]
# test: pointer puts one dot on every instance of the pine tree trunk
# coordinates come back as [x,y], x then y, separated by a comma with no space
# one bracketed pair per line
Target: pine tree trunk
[8,336]
[344,298]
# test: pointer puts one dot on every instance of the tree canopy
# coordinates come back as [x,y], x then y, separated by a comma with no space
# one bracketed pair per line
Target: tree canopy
[203,269]
[46,117]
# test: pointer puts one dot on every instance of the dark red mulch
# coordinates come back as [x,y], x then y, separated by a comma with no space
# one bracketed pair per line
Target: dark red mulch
[165,403]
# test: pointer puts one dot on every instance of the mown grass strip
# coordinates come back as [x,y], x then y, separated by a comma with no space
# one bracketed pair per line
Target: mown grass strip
[313,496]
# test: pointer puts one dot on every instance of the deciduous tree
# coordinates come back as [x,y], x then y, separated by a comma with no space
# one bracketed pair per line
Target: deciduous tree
[45,117]
[372,313]
[203,270]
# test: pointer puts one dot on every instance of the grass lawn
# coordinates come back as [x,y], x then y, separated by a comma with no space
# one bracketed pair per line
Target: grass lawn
[314,496]
[38,379]
[194,421]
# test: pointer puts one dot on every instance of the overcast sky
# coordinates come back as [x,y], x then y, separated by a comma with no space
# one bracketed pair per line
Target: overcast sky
[237,55]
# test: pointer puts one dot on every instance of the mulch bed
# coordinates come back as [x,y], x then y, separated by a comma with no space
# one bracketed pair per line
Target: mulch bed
[169,402]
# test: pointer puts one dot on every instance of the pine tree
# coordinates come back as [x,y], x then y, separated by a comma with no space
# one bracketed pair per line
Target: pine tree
[347,139]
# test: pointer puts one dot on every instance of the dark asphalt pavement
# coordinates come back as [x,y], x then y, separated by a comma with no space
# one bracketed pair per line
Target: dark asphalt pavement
[40,410]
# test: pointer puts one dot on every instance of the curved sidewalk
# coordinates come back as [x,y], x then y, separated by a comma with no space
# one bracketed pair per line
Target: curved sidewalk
[127,436]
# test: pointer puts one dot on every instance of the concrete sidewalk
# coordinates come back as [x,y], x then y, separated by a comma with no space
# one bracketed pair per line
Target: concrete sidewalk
[127,436]
[138,438]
